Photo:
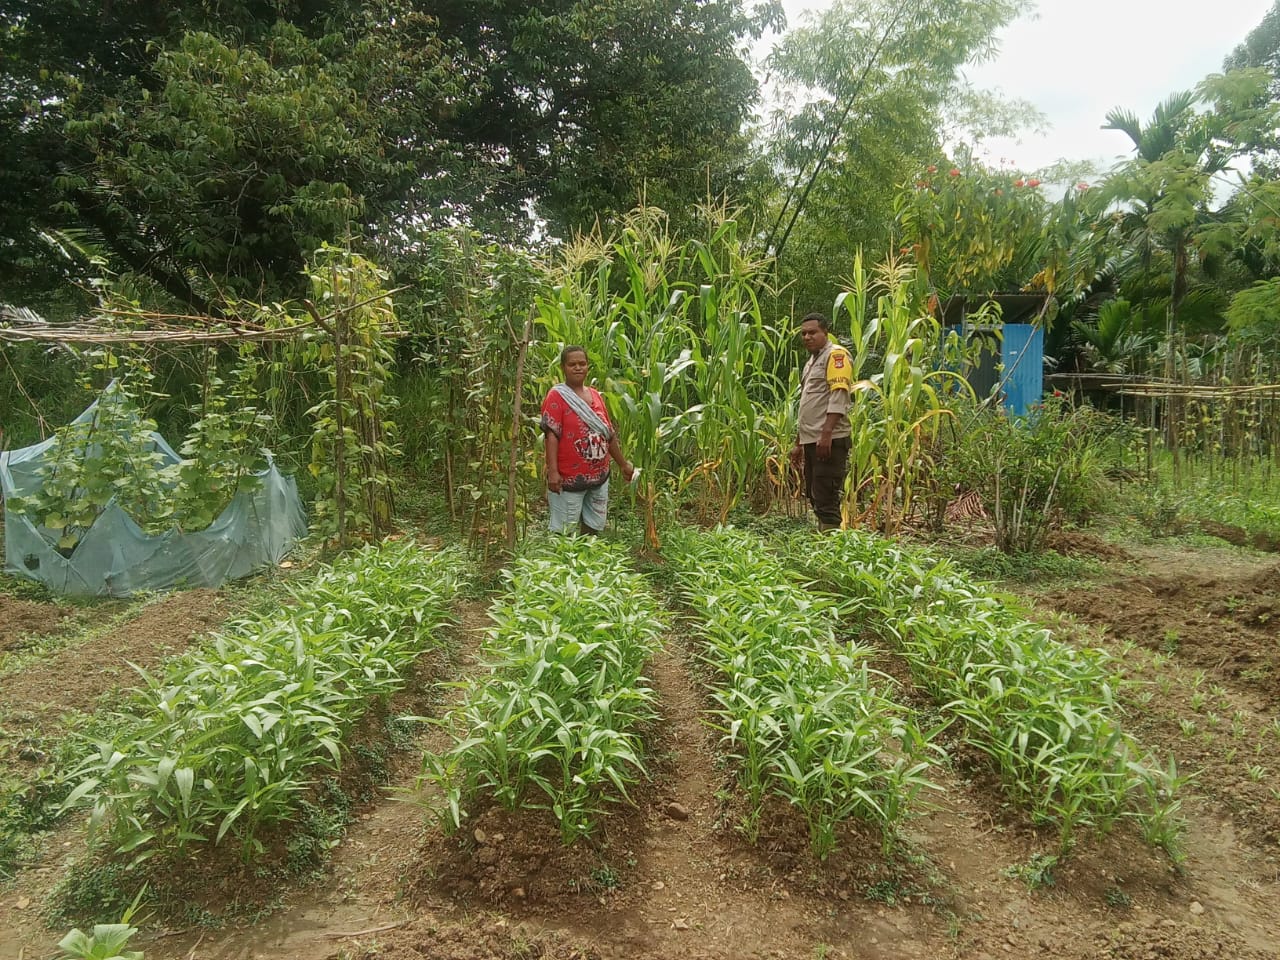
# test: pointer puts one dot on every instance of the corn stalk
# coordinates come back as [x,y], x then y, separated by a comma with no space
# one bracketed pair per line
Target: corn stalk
[904,369]
[684,358]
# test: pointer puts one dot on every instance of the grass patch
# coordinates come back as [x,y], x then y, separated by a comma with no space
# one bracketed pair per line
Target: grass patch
[20,588]
[988,563]
[1246,496]
[34,784]
[1037,872]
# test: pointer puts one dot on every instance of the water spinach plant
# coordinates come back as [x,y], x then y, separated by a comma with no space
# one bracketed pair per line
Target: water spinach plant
[1043,711]
[230,736]
[557,721]
[801,714]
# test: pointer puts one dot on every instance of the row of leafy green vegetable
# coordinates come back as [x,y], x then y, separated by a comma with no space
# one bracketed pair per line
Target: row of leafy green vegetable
[802,716]
[1044,712]
[229,737]
[557,720]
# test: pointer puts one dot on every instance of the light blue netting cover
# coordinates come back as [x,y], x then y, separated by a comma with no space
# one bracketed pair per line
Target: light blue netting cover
[117,558]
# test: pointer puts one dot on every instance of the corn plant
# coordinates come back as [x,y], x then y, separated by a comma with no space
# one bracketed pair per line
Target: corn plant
[685,357]
[904,369]
[556,723]
[800,714]
[1043,712]
[229,736]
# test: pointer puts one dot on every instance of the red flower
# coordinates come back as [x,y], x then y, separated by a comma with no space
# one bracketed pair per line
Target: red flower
[1082,186]
[1033,182]
[921,184]
[954,172]
[932,168]
[1019,183]
[904,249]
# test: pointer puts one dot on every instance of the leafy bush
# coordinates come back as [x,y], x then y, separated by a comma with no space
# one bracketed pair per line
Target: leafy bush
[1031,471]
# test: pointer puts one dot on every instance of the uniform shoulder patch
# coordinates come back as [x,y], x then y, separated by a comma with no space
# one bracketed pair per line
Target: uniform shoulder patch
[839,369]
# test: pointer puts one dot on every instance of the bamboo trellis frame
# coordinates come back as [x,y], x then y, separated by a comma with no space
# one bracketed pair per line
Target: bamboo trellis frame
[1208,425]
[18,324]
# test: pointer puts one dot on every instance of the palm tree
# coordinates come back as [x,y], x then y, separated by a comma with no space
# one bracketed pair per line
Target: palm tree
[1166,187]
[1112,343]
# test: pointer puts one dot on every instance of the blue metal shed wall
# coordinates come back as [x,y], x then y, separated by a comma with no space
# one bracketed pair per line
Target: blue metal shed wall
[1022,353]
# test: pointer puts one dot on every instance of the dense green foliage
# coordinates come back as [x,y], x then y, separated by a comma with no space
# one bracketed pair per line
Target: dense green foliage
[876,84]
[210,150]
[428,168]
[1031,472]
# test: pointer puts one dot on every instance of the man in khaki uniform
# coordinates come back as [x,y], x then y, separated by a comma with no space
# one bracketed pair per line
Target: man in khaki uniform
[822,441]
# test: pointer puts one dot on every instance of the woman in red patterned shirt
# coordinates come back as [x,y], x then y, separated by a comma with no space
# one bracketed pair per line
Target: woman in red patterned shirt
[579,442]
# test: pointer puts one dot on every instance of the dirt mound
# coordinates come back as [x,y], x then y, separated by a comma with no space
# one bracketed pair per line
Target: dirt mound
[484,939]
[74,677]
[22,619]
[1227,625]
[1268,581]
[1076,543]
[1239,536]
[1167,938]
[516,859]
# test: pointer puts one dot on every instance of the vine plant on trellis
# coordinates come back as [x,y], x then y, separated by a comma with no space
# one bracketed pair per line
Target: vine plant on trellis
[112,454]
[353,439]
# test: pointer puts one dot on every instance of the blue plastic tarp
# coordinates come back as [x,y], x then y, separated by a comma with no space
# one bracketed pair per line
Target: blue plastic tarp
[117,558]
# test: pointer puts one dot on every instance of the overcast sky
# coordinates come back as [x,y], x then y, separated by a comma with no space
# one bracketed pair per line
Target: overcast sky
[1076,59]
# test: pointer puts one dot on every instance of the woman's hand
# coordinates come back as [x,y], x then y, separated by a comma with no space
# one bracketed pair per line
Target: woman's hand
[628,470]
[553,480]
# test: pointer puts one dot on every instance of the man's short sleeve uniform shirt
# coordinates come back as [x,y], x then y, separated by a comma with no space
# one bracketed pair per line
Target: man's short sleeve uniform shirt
[825,387]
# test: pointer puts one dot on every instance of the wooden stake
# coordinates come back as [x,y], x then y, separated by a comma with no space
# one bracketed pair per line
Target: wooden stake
[515,435]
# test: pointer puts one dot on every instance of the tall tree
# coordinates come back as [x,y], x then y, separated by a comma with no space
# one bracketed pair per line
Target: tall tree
[1165,191]
[210,147]
[206,148]
[875,80]
[1261,49]
[586,103]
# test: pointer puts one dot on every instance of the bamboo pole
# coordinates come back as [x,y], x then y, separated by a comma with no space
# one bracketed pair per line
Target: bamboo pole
[515,435]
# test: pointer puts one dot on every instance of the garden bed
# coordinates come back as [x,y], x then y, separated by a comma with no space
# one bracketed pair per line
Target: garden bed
[970,879]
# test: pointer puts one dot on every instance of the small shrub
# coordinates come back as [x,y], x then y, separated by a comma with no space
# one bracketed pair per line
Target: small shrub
[1031,471]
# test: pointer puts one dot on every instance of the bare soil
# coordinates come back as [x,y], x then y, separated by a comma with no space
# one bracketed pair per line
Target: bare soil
[75,676]
[1223,620]
[22,621]
[673,879]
